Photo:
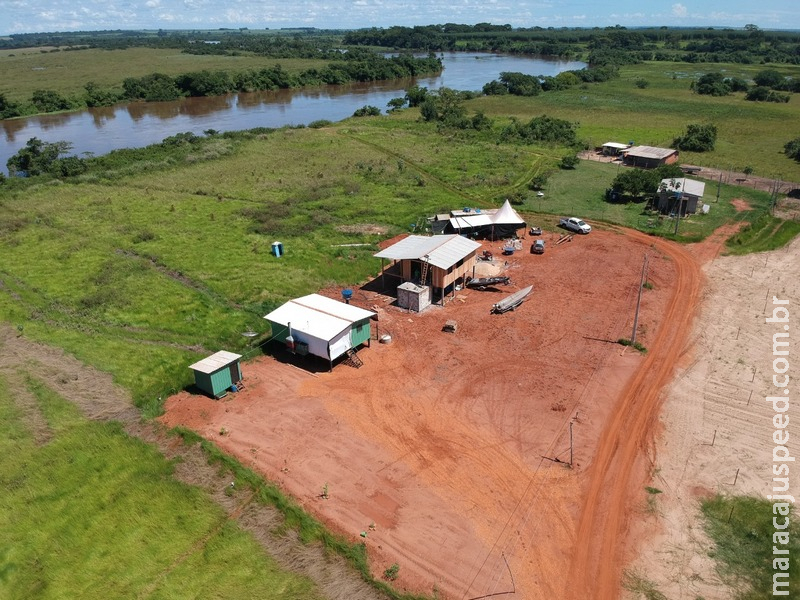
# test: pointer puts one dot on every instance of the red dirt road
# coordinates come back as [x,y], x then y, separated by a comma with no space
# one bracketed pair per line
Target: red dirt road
[625,448]
[445,442]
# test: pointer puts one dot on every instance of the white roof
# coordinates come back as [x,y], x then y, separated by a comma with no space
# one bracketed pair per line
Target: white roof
[650,152]
[507,215]
[441,251]
[215,362]
[616,145]
[469,222]
[689,186]
[318,316]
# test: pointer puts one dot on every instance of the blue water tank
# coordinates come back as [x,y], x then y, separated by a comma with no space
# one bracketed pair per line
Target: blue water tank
[347,294]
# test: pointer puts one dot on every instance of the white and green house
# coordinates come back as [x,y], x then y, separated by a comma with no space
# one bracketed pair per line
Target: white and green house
[320,326]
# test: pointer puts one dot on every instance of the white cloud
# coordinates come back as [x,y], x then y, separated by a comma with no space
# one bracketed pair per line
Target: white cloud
[680,11]
[152,3]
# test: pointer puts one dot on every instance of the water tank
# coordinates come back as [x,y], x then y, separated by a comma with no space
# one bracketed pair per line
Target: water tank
[277,249]
[347,295]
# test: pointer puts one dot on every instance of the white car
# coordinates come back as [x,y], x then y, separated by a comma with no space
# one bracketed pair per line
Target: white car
[575,224]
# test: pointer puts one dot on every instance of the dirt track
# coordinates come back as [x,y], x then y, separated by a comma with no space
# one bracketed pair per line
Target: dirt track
[624,452]
[446,442]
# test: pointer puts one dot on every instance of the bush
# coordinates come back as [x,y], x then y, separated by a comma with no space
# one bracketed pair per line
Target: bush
[569,162]
[792,149]
[367,111]
[391,572]
[697,138]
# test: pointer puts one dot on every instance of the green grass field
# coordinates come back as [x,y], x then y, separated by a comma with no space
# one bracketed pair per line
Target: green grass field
[742,529]
[94,513]
[25,71]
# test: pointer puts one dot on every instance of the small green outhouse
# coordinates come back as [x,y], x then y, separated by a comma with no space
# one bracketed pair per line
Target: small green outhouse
[218,373]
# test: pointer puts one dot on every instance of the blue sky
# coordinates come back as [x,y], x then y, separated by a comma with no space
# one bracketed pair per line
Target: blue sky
[30,16]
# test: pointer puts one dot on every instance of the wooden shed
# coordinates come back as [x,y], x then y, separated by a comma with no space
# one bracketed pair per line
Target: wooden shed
[217,374]
[441,261]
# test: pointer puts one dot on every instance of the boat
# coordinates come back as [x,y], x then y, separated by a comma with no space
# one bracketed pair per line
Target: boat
[512,301]
[481,283]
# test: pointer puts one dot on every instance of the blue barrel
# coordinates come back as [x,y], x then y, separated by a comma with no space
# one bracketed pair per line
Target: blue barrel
[347,294]
[277,249]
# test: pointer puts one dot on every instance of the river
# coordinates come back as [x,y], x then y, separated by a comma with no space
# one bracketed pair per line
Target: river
[97,131]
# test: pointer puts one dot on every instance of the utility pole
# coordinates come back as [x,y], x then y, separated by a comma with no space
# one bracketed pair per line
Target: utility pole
[570,442]
[639,302]
[678,215]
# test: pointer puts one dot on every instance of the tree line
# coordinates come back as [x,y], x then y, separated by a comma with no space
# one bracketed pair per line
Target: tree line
[750,45]
[358,66]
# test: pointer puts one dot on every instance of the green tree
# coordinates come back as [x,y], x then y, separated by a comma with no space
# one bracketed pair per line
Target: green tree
[36,158]
[416,95]
[635,183]
[792,149]
[569,161]
[712,84]
[697,138]
[49,101]
[8,109]
[396,104]
[520,84]
[367,111]
[769,78]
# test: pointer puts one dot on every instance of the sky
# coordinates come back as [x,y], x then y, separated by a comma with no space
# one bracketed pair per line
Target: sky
[34,16]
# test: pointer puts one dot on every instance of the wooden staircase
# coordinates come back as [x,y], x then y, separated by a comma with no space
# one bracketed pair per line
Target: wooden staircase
[352,359]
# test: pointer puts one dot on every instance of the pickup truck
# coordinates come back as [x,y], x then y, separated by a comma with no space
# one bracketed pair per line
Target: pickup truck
[576,225]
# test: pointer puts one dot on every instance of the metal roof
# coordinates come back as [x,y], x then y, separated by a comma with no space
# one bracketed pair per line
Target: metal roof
[215,362]
[616,145]
[688,186]
[442,251]
[470,222]
[650,152]
[318,316]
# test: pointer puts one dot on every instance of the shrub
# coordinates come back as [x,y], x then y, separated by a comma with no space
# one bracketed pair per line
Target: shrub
[569,162]
[792,149]
[367,111]
[391,572]
[697,138]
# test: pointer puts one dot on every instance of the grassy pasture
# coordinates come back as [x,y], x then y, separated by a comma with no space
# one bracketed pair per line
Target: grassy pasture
[142,273]
[749,133]
[93,513]
[68,72]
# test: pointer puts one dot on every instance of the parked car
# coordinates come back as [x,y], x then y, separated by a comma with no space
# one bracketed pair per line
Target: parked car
[537,247]
[576,225]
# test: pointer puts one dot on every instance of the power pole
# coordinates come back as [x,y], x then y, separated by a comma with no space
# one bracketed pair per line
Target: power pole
[570,442]
[639,302]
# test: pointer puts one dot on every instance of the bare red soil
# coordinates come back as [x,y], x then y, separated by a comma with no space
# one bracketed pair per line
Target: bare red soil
[455,446]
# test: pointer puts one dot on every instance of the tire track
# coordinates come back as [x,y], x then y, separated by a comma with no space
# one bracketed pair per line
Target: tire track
[618,470]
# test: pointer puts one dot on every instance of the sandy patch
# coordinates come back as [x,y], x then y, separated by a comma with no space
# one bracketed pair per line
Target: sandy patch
[717,427]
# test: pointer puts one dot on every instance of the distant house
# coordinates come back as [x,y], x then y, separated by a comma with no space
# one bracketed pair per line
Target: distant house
[441,261]
[613,148]
[320,326]
[680,195]
[649,157]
